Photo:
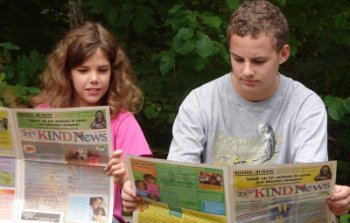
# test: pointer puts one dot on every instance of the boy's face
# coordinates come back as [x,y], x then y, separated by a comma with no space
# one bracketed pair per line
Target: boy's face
[255,66]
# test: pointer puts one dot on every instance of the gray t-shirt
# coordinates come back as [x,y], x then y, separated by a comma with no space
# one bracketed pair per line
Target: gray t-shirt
[216,125]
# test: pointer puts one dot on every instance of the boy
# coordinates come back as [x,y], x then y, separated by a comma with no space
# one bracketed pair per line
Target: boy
[255,115]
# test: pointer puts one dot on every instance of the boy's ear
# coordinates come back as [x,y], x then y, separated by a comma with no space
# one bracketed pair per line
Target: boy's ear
[284,54]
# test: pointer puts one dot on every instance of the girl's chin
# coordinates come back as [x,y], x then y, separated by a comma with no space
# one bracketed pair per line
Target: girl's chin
[89,104]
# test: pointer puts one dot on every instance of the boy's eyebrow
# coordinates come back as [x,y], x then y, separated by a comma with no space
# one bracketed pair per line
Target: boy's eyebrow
[253,58]
[233,54]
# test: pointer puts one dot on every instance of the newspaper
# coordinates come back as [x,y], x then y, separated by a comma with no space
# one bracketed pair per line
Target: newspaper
[52,165]
[198,193]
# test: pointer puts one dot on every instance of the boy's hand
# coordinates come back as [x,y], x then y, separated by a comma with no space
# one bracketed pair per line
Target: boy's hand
[129,197]
[339,202]
[116,167]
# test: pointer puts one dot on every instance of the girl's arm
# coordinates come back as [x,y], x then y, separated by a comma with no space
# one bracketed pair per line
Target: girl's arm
[129,197]
[117,168]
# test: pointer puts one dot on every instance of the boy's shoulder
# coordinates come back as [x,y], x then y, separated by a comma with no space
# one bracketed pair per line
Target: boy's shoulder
[213,87]
[298,92]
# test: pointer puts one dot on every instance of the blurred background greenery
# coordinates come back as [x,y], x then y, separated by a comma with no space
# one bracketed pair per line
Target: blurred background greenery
[176,46]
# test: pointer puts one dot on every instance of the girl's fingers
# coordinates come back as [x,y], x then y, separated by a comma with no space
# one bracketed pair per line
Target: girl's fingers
[114,159]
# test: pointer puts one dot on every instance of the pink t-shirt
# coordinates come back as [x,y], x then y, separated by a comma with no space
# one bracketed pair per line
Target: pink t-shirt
[127,136]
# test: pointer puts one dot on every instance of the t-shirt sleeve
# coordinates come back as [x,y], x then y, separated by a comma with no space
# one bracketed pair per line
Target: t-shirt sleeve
[128,136]
[189,136]
[310,135]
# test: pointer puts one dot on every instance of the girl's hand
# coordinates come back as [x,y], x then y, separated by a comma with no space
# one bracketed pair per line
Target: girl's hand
[130,199]
[339,202]
[116,167]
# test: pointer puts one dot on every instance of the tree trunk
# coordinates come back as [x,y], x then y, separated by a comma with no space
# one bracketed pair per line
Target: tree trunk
[77,12]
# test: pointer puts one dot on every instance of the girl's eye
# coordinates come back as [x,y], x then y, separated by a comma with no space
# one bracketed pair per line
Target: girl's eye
[103,71]
[82,70]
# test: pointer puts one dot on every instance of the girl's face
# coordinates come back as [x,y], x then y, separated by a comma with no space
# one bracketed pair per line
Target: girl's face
[151,180]
[91,79]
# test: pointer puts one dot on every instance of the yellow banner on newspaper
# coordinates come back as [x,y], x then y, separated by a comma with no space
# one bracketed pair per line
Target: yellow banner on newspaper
[254,178]
[150,213]
[6,146]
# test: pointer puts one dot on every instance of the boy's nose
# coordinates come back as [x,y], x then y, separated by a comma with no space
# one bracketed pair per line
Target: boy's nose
[248,69]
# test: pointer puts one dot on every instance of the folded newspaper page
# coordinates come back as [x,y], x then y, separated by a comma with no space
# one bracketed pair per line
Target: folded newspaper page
[198,193]
[52,165]
[8,169]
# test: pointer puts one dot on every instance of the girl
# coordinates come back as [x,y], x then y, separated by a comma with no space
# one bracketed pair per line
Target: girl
[89,68]
[151,182]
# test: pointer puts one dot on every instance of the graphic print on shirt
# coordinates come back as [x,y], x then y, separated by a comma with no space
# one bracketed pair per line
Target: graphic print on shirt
[268,137]
[260,149]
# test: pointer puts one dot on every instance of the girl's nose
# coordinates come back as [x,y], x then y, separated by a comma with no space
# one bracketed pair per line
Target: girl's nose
[94,77]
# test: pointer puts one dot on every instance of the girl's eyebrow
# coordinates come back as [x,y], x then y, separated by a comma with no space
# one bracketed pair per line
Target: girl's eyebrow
[104,65]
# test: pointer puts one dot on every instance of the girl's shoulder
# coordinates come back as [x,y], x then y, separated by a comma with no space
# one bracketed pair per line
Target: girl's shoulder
[43,105]
[122,116]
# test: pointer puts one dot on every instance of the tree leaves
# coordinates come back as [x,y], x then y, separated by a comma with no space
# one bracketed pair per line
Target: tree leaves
[183,42]
[204,45]
[166,62]
[337,107]
[233,4]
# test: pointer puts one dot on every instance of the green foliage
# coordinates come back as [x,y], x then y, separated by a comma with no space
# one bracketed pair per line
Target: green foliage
[344,218]
[122,14]
[15,95]
[337,107]
[233,4]
[25,70]
[20,73]
[33,24]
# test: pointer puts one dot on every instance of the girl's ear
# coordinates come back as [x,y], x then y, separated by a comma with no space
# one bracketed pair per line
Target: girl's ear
[284,54]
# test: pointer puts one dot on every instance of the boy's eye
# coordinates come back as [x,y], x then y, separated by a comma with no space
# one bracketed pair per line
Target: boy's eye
[239,60]
[259,61]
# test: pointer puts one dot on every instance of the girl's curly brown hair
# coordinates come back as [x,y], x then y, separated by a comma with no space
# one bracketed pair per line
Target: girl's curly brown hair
[71,51]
